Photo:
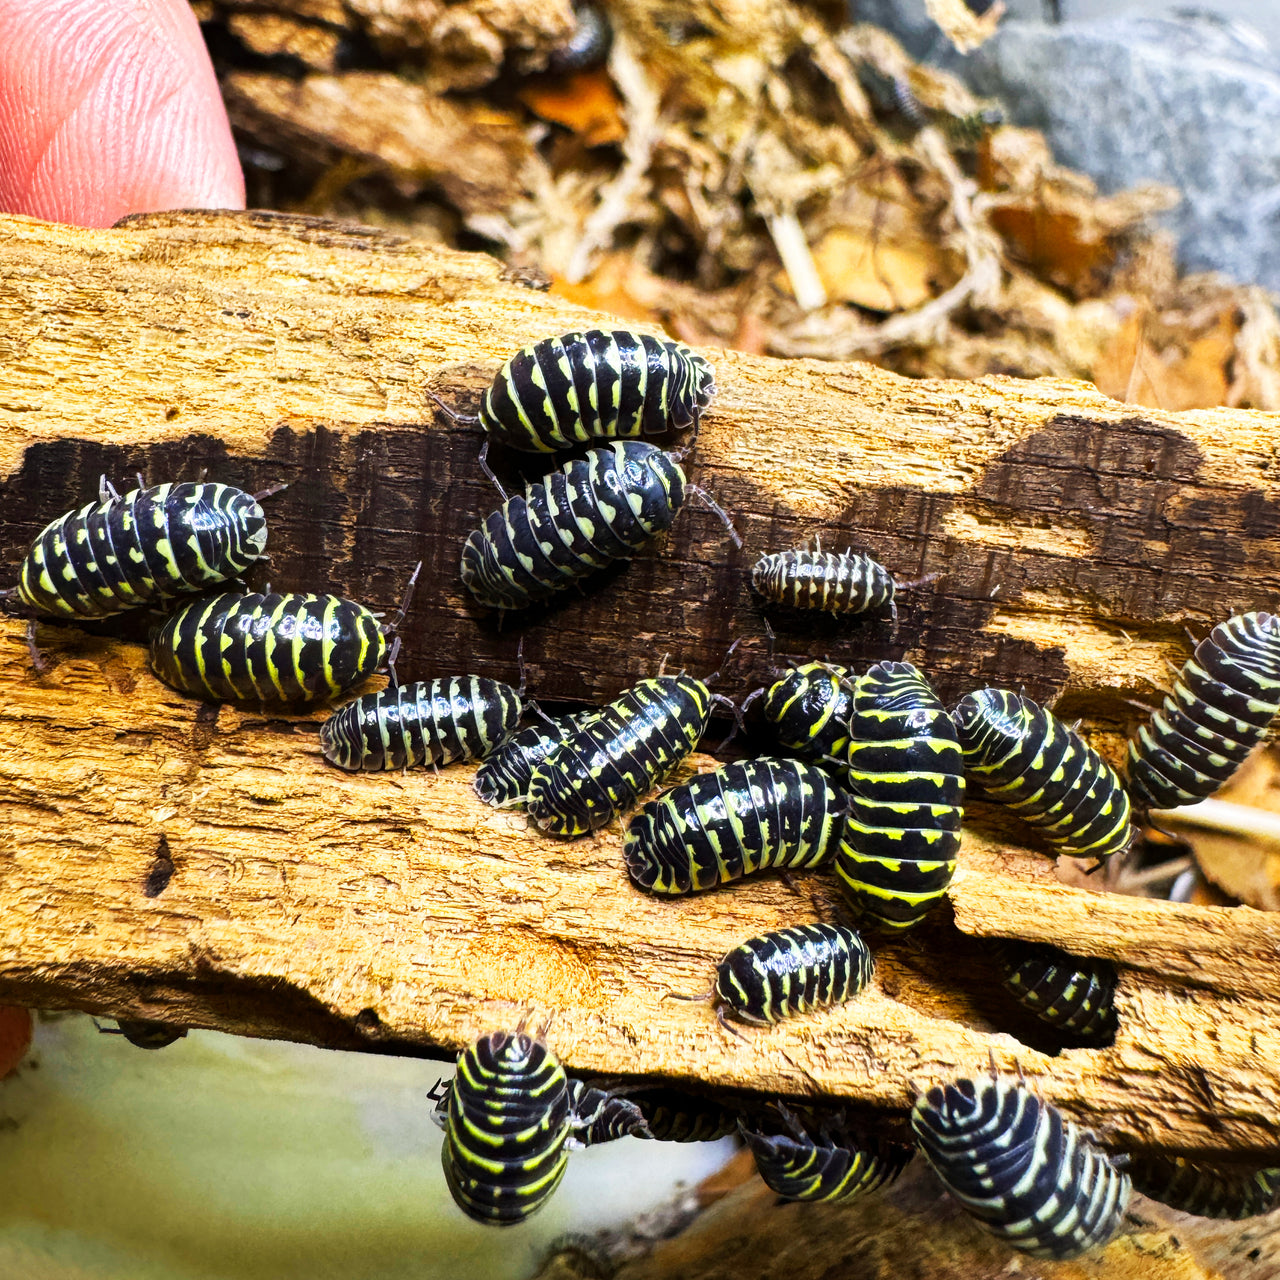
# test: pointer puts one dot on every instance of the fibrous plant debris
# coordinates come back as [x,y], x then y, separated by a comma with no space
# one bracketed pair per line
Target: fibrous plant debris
[767,176]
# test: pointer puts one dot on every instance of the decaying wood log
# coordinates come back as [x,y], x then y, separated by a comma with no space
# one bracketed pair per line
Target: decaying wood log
[914,1229]
[161,858]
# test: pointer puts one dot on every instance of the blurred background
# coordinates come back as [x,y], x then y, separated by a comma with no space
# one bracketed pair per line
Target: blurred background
[226,1157]
[922,183]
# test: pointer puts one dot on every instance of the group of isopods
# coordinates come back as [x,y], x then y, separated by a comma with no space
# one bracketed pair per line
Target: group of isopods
[874,784]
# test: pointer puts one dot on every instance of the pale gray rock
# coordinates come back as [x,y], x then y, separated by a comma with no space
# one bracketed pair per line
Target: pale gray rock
[1191,99]
[1192,102]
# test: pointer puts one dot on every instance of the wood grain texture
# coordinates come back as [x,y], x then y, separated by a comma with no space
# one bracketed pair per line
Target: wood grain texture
[914,1229]
[163,858]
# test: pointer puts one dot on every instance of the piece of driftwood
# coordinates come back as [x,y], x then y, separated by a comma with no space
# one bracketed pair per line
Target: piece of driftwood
[163,858]
[915,1229]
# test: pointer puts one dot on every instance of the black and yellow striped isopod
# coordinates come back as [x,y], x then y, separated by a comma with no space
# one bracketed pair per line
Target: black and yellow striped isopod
[817,1158]
[596,1114]
[1072,993]
[1222,704]
[1020,1167]
[809,708]
[1023,756]
[149,545]
[598,385]
[506,1125]
[673,1116]
[270,648]
[1208,1191]
[848,582]
[503,780]
[791,971]
[735,821]
[146,1033]
[905,775]
[591,512]
[434,722]
[610,761]
[600,1115]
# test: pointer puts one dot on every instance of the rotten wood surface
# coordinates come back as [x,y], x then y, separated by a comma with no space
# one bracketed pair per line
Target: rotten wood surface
[161,858]
[912,1228]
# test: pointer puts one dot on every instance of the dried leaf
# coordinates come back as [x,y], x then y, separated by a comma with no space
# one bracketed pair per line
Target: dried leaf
[1019,160]
[1255,381]
[750,131]
[1191,376]
[467,51]
[618,285]
[935,90]
[274,35]
[1244,869]
[470,30]
[1244,864]
[331,12]
[866,266]
[586,103]
[1053,243]
[964,28]
[1068,239]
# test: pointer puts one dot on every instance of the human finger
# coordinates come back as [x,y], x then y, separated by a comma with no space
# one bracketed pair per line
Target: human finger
[109,107]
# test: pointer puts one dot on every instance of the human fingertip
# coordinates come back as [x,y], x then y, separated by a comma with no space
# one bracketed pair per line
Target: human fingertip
[110,109]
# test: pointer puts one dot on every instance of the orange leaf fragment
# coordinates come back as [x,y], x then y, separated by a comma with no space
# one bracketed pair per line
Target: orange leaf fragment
[585,102]
[1244,864]
[1187,375]
[618,285]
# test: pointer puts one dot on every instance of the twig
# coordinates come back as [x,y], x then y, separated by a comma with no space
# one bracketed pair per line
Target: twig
[1224,817]
[1130,881]
[793,249]
[834,64]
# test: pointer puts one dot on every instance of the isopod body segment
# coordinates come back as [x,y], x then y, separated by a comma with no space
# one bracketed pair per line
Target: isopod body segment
[432,722]
[601,1115]
[580,518]
[146,1033]
[1020,1167]
[291,648]
[147,545]
[792,971]
[506,1124]
[905,777]
[600,384]
[673,1116]
[846,582]
[1206,1190]
[610,761]
[503,780]
[1222,704]
[809,707]
[818,1159]
[1021,755]
[732,822]
[1071,993]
